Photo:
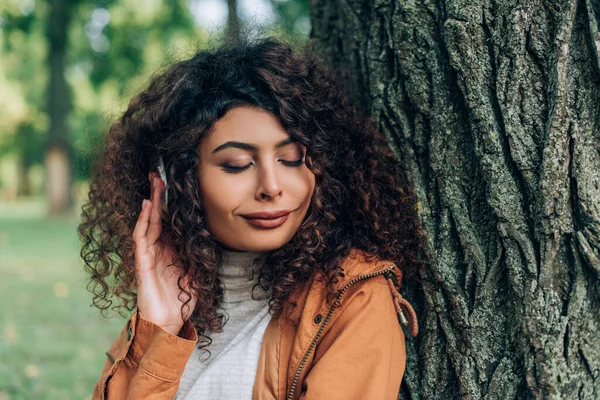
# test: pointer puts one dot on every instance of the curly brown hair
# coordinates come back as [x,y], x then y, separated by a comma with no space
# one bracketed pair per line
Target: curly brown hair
[360,201]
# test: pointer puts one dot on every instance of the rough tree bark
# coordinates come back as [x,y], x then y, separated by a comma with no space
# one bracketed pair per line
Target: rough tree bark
[492,108]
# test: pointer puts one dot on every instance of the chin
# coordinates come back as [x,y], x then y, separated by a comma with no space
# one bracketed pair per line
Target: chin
[257,240]
[266,245]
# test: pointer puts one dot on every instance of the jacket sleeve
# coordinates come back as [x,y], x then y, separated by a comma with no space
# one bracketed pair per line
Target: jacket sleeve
[145,362]
[363,354]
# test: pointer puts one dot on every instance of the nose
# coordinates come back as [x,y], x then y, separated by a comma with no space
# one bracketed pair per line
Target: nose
[268,183]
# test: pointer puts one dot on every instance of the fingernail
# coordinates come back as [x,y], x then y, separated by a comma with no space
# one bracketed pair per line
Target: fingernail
[144,203]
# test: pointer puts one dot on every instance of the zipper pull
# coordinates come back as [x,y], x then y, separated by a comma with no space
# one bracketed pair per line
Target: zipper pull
[400,304]
[390,275]
[401,316]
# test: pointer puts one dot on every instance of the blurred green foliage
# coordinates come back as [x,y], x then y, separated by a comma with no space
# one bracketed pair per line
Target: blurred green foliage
[113,49]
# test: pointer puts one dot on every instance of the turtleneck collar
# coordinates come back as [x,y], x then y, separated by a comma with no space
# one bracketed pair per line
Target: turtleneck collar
[236,273]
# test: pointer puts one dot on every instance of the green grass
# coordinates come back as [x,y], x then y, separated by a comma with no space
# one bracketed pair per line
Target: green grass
[52,342]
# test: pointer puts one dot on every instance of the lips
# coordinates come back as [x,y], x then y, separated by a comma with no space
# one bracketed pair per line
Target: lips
[266,214]
[267,219]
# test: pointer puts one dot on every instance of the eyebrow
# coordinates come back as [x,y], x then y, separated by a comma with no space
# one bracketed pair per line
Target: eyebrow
[249,146]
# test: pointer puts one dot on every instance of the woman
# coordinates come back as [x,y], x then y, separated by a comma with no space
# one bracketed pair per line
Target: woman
[266,261]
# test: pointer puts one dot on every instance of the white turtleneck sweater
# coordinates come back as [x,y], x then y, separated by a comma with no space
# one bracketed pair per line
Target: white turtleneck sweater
[230,371]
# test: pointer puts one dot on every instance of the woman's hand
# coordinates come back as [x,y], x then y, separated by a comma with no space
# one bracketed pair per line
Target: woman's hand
[158,295]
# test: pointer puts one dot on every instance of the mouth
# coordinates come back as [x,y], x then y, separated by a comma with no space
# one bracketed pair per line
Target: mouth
[268,220]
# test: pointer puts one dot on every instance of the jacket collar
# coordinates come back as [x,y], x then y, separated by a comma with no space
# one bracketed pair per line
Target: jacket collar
[358,263]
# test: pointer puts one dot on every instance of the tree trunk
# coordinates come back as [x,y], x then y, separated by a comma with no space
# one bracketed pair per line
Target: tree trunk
[23,181]
[233,22]
[58,152]
[492,110]
[25,140]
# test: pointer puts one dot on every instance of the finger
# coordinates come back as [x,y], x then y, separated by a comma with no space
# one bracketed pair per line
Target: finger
[141,226]
[155,224]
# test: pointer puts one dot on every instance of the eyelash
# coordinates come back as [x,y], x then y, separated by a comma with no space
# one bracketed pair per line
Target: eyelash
[235,170]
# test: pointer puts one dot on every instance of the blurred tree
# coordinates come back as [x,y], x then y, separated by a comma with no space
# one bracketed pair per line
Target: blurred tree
[58,149]
[22,79]
[92,66]
[233,22]
[492,110]
[31,149]
[293,17]
[116,47]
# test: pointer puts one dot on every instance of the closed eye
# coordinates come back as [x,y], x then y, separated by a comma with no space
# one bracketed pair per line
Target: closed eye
[231,169]
[296,163]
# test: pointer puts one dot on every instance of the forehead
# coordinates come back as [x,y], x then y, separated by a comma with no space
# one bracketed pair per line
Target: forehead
[246,124]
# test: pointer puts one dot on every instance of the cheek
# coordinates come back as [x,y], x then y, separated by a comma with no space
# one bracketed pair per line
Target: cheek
[214,202]
[212,198]
[304,185]
[221,194]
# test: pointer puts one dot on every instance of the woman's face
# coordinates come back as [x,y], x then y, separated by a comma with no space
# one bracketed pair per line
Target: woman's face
[249,165]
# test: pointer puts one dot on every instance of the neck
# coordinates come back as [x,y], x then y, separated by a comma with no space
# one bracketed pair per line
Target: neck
[236,257]
[239,273]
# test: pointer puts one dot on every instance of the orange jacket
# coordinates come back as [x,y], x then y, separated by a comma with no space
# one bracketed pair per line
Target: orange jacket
[353,349]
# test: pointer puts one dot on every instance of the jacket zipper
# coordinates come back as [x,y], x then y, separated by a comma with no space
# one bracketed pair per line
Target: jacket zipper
[335,304]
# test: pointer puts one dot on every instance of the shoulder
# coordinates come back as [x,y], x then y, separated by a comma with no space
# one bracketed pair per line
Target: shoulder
[368,291]
[378,283]
[363,276]
[362,272]
[360,330]
[365,284]
[371,285]
[365,309]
